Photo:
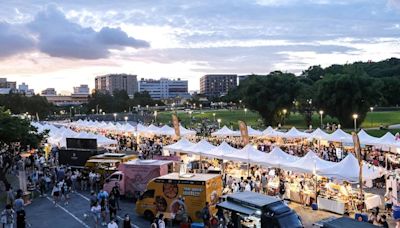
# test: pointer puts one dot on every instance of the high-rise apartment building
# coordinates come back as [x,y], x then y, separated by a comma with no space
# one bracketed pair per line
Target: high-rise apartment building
[24,89]
[113,82]
[7,84]
[165,88]
[216,85]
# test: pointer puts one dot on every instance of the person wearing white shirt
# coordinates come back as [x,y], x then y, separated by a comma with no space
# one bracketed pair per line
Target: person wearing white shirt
[160,222]
[112,224]
[247,187]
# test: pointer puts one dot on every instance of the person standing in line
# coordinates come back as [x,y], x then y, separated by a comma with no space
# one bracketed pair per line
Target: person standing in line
[127,222]
[117,194]
[206,215]
[96,211]
[264,183]
[7,217]
[10,196]
[20,210]
[112,207]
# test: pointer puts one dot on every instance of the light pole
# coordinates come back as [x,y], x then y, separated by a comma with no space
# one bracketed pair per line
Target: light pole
[155,116]
[355,116]
[214,116]
[201,106]
[115,117]
[92,110]
[321,112]
[126,119]
[372,120]
[219,123]
[245,113]
[100,110]
[97,109]
[70,111]
[284,111]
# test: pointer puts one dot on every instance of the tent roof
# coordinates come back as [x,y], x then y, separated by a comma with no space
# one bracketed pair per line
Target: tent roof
[294,133]
[348,169]
[248,154]
[278,158]
[340,136]
[253,132]
[310,163]
[225,131]
[200,147]
[270,132]
[180,145]
[319,134]
[366,138]
[222,150]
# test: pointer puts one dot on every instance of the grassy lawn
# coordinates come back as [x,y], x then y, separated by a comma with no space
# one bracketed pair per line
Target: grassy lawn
[230,118]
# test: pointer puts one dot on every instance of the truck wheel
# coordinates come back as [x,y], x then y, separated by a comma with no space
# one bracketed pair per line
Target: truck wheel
[148,215]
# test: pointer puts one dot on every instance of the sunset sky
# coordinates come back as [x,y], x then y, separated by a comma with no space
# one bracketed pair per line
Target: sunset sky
[68,43]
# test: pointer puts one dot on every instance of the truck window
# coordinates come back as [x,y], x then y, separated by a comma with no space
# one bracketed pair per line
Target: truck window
[115,177]
[148,194]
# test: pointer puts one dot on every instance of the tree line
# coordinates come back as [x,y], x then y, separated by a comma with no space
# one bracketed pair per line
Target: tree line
[338,90]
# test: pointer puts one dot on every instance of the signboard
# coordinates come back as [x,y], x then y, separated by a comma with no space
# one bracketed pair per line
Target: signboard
[79,143]
[75,157]
[244,132]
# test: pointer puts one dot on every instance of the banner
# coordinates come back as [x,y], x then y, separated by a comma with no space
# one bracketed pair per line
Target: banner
[244,132]
[175,122]
[357,150]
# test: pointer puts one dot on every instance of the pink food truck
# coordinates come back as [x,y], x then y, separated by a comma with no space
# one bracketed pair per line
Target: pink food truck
[133,176]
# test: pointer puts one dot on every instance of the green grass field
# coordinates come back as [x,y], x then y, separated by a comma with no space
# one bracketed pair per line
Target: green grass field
[231,117]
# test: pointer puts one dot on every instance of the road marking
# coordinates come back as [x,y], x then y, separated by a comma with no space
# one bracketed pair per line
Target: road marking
[66,211]
[84,197]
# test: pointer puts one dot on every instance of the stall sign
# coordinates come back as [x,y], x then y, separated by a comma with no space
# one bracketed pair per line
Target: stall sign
[192,191]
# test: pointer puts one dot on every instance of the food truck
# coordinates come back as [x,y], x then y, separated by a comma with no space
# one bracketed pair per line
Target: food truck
[107,163]
[188,192]
[250,209]
[133,176]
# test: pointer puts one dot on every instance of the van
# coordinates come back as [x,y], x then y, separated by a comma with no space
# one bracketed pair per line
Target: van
[189,192]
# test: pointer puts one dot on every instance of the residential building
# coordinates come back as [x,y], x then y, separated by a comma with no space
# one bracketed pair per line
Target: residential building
[242,78]
[7,84]
[24,89]
[112,82]
[216,85]
[164,88]
[81,90]
[49,92]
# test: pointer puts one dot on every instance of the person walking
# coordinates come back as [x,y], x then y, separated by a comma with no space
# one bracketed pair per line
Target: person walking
[20,210]
[206,215]
[117,194]
[127,222]
[10,196]
[112,207]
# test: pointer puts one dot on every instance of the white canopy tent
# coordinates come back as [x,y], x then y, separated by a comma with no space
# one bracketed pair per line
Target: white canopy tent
[179,146]
[186,132]
[253,133]
[319,134]
[365,138]
[348,170]
[225,131]
[278,158]
[270,132]
[199,148]
[248,154]
[221,151]
[293,133]
[310,163]
[340,136]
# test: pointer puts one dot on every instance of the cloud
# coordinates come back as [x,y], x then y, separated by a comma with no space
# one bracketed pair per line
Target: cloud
[57,36]
[13,40]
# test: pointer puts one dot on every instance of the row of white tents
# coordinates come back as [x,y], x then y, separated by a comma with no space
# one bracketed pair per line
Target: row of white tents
[388,140]
[347,169]
[128,128]
[58,135]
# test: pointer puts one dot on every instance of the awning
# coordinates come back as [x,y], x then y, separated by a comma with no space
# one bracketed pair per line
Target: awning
[237,208]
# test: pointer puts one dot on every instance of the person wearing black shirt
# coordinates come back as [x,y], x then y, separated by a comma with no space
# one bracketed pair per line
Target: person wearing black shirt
[115,191]
[112,207]
[127,222]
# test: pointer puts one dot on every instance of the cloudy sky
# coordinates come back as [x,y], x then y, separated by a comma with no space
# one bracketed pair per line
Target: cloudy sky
[70,42]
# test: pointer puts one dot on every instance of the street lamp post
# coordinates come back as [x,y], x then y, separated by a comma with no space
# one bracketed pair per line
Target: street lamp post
[372,120]
[126,119]
[214,116]
[155,116]
[245,113]
[355,116]
[70,111]
[284,115]
[115,117]
[219,123]
[321,112]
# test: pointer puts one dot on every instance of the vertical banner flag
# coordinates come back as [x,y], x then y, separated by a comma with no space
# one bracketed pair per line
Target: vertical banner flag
[175,122]
[357,150]
[244,132]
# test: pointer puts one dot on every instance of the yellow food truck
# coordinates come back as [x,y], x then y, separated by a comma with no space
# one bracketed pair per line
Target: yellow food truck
[169,193]
[108,162]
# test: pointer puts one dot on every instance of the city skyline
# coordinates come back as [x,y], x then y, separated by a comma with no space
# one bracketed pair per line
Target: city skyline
[64,45]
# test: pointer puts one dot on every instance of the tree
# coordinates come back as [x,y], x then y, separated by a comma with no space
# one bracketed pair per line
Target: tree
[15,132]
[19,103]
[269,95]
[341,95]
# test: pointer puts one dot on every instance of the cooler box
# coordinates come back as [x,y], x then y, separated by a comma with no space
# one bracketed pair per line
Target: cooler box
[314,206]
[363,216]
[197,225]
